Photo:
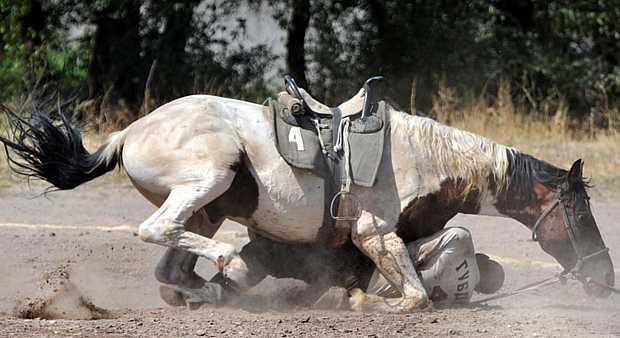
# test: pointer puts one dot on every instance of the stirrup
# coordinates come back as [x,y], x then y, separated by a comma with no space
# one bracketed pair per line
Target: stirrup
[349,208]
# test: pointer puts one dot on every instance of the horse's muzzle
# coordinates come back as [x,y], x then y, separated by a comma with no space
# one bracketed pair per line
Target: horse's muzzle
[598,289]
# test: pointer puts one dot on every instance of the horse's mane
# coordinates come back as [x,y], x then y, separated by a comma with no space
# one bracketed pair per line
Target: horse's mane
[482,164]
[457,154]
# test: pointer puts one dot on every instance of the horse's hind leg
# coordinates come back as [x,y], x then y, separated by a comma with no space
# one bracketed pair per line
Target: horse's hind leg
[176,271]
[167,226]
[177,266]
[390,255]
[182,285]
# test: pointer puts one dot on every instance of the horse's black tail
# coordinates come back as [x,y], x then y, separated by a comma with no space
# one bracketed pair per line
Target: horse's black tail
[48,147]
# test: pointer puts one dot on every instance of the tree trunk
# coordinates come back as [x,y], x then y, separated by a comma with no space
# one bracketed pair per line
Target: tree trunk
[295,51]
[172,54]
[115,59]
[32,24]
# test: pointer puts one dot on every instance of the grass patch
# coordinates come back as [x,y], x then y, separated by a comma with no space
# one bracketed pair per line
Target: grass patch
[548,134]
[600,151]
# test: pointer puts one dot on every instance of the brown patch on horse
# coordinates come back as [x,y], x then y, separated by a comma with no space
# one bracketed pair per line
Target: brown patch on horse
[529,213]
[552,227]
[425,215]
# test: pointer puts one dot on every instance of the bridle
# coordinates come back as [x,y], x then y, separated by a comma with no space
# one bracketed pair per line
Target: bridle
[570,224]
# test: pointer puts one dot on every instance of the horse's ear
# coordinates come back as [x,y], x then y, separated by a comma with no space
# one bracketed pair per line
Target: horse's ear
[575,173]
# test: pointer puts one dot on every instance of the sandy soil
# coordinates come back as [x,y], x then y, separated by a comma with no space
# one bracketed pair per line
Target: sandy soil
[90,233]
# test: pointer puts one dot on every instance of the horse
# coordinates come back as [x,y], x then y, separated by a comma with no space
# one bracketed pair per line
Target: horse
[202,159]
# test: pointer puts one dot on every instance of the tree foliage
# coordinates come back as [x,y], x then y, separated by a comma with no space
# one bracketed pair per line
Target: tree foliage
[548,50]
[33,49]
[106,49]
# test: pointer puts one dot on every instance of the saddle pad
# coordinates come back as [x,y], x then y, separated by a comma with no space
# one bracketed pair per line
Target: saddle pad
[367,151]
[299,145]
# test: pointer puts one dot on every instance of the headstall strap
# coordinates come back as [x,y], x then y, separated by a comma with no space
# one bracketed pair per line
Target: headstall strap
[542,217]
[570,229]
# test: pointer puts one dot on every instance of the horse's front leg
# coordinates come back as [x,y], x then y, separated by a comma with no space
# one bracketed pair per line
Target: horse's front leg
[390,255]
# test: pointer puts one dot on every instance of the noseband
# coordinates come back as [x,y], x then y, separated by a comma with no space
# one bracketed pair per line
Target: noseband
[570,224]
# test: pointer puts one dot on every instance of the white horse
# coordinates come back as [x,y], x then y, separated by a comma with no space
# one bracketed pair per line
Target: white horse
[202,159]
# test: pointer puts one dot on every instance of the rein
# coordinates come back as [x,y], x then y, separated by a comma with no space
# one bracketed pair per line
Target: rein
[529,287]
[559,278]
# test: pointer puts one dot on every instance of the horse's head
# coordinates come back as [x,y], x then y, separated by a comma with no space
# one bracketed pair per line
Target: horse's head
[566,230]
[554,204]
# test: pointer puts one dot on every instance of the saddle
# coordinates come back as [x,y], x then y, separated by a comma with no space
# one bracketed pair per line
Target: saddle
[342,144]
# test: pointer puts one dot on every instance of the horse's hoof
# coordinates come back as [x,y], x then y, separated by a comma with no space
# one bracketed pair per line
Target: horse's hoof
[209,293]
[412,304]
[425,304]
[363,302]
[171,296]
[334,298]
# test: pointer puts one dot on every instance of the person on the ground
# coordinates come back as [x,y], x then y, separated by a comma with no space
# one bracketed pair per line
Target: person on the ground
[446,262]
[448,267]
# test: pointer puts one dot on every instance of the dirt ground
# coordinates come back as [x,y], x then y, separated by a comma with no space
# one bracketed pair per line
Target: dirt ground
[90,233]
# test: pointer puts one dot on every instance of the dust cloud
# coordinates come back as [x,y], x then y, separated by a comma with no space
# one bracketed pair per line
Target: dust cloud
[58,298]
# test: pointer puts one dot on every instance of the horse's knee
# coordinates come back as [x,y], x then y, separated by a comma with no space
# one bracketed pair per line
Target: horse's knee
[241,275]
[171,296]
[158,231]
